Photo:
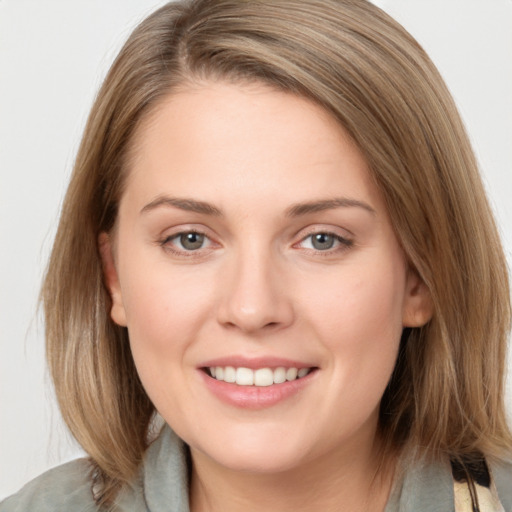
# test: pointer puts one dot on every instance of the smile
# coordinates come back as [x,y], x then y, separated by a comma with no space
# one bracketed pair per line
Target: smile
[257,382]
[260,377]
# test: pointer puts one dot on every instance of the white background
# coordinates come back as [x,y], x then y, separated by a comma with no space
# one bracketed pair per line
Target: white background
[53,55]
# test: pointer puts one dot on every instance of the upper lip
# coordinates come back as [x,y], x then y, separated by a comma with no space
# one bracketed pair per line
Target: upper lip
[256,362]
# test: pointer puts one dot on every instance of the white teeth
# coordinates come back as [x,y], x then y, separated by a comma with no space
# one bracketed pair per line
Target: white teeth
[229,374]
[244,377]
[261,377]
[279,375]
[291,373]
[302,372]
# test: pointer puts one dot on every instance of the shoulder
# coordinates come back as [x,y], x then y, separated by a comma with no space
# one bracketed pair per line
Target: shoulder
[66,487]
[501,474]
[417,482]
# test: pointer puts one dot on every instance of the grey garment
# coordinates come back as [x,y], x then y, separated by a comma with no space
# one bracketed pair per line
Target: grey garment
[424,488]
[162,486]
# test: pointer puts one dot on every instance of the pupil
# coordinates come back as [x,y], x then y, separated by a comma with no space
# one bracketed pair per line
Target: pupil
[191,241]
[323,241]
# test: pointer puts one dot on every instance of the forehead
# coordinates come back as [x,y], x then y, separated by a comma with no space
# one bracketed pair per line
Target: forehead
[242,141]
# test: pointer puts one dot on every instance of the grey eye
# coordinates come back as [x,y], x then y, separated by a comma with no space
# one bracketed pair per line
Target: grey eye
[323,241]
[191,241]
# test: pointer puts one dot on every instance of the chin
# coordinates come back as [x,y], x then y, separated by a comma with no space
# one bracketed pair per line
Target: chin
[254,452]
[258,461]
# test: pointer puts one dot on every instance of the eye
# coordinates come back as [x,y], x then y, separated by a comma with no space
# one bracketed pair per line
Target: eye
[188,241]
[191,241]
[324,241]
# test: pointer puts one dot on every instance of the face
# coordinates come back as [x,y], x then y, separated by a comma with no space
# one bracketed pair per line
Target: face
[259,277]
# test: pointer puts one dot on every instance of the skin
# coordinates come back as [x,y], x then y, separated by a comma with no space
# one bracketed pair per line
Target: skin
[260,287]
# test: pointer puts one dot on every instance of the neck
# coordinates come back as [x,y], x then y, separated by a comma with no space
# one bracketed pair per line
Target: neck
[355,481]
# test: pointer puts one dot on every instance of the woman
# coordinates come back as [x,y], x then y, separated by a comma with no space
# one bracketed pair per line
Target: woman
[276,237]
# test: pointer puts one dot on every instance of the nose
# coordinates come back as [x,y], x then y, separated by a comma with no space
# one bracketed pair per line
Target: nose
[255,297]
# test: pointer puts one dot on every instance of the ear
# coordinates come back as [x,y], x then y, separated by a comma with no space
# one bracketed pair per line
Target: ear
[418,307]
[117,312]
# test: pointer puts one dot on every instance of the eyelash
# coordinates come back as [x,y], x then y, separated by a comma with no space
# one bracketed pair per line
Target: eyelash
[165,243]
[343,243]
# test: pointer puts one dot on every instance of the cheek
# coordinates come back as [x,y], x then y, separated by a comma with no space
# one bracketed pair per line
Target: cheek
[372,309]
[361,324]
[157,314]
[164,316]
[165,307]
[361,299]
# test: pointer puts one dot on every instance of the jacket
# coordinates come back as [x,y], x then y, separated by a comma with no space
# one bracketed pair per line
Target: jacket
[162,485]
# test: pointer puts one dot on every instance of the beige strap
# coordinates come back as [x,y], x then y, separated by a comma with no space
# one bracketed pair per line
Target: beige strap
[471,497]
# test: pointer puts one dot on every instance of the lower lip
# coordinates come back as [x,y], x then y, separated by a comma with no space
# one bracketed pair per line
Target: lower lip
[255,397]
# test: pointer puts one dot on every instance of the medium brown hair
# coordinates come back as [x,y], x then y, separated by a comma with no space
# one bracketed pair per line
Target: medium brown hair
[446,394]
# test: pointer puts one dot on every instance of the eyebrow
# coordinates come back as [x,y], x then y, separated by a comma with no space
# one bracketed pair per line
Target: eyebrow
[296,210]
[189,205]
[327,204]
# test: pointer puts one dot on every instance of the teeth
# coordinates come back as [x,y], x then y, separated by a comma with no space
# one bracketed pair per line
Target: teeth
[280,375]
[229,374]
[291,373]
[261,377]
[302,372]
[244,377]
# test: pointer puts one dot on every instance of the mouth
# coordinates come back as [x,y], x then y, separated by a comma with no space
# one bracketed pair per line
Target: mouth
[257,383]
[258,377]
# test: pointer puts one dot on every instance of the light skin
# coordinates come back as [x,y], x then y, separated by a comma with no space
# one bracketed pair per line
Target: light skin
[293,257]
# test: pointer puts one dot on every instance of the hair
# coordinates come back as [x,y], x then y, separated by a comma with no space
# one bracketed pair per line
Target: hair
[445,397]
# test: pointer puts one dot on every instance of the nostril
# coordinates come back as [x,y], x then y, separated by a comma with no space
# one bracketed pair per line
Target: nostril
[250,311]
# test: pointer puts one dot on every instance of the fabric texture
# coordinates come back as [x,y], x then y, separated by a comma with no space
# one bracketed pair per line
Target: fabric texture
[162,485]
[474,487]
